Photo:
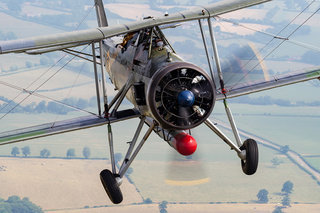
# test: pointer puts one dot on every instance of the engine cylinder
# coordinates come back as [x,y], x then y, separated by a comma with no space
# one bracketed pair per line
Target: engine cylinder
[181,96]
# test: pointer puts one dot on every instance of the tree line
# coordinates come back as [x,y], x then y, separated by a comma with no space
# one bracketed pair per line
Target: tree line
[48,107]
[268,100]
[286,191]
[45,153]
[15,204]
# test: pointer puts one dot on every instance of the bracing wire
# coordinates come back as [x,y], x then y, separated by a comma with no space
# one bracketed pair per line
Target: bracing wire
[69,92]
[277,36]
[44,97]
[44,73]
[274,36]
[32,83]
[32,92]
[275,48]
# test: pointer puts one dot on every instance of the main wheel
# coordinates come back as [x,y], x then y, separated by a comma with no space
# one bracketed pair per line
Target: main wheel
[111,186]
[250,165]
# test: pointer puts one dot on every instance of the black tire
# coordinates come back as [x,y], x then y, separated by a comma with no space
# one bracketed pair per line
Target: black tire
[110,184]
[250,165]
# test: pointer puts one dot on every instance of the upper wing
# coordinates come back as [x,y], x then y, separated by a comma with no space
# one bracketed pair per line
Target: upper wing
[81,37]
[63,126]
[54,48]
[277,81]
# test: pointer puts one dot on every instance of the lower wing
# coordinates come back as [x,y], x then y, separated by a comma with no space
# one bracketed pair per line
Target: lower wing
[276,81]
[59,127]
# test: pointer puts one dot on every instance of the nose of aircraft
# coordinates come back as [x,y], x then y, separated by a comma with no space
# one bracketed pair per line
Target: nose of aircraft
[186,98]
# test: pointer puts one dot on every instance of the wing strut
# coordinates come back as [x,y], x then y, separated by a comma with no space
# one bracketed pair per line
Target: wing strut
[218,66]
[96,77]
[216,55]
[206,49]
[78,54]
[104,91]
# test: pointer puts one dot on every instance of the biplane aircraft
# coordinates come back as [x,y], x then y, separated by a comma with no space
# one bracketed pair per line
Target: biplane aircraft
[170,96]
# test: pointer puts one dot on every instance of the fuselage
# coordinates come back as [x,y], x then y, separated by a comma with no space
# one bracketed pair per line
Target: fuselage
[136,61]
[177,94]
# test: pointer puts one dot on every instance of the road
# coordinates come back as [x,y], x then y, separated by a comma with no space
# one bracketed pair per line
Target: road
[292,155]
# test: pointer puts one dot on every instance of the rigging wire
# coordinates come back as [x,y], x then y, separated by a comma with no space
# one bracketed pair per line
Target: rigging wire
[32,92]
[44,97]
[277,36]
[284,40]
[12,100]
[69,92]
[44,73]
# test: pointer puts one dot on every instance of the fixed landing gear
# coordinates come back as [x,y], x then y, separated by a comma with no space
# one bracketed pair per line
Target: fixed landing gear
[111,185]
[247,151]
[111,180]
[250,164]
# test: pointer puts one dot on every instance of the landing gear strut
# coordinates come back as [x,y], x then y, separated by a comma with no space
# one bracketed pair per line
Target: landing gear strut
[248,150]
[111,181]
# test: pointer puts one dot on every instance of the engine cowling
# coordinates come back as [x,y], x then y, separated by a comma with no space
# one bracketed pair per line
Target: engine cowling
[181,96]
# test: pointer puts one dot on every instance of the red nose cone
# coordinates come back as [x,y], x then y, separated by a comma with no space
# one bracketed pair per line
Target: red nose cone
[185,144]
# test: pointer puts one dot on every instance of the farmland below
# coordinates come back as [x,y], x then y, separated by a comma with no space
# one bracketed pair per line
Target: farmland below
[288,116]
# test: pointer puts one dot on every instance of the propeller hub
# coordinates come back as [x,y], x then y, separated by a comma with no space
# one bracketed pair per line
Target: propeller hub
[186,98]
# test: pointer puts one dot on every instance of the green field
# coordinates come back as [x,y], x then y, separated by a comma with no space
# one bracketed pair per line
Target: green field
[293,126]
[23,28]
[219,164]
[315,162]
[154,149]
[300,133]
